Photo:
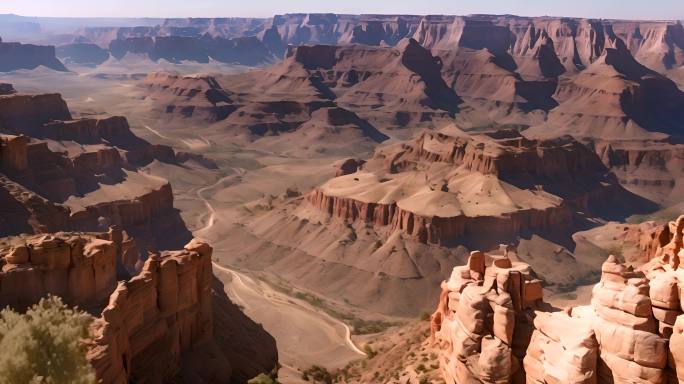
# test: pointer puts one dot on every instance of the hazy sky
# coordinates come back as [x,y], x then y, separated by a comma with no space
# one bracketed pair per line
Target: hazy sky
[630,9]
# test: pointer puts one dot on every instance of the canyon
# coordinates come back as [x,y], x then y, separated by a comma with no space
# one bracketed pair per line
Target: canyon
[336,172]
[64,180]
[530,40]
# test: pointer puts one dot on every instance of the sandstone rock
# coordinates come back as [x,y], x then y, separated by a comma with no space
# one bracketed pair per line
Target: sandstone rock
[631,332]
[166,309]
[481,326]
[418,168]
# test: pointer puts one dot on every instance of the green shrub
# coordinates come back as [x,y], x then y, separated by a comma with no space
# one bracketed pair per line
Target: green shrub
[318,374]
[369,351]
[45,345]
[262,379]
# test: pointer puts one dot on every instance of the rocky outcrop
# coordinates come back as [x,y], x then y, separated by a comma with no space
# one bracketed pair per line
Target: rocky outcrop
[402,186]
[504,153]
[153,318]
[651,169]
[630,333]
[89,165]
[80,268]
[26,113]
[24,211]
[200,97]
[113,130]
[482,323]
[347,166]
[82,54]
[150,327]
[440,229]
[15,56]
[246,50]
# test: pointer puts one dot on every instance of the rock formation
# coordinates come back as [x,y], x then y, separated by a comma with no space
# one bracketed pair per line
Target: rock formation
[424,187]
[240,50]
[406,80]
[611,84]
[200,97]
[60,173]
[152,327]
[15,56]
[539,46]
[388,229]
[82,54]
[492,324]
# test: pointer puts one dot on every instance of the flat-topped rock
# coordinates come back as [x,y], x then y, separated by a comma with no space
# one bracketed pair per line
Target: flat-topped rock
[443,186]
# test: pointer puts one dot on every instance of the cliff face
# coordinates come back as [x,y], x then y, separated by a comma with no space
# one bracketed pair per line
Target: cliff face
[649,169]
[247,50]
[424,187]
[200,97]
[152,327]
[15,56]
[79,268]
[82,53]
[437,229]
[492,324]
[25,112]
[153,318]
[49,159]
[541,46]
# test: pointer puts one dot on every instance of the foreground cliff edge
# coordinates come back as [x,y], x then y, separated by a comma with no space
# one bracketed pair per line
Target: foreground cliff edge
[170,321]
[493,326]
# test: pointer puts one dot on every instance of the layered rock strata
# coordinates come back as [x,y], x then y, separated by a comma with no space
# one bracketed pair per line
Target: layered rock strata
[155,326]
[61,173]
[630,333]
[439,187]
[190,96]
[154,317]
[540,46]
